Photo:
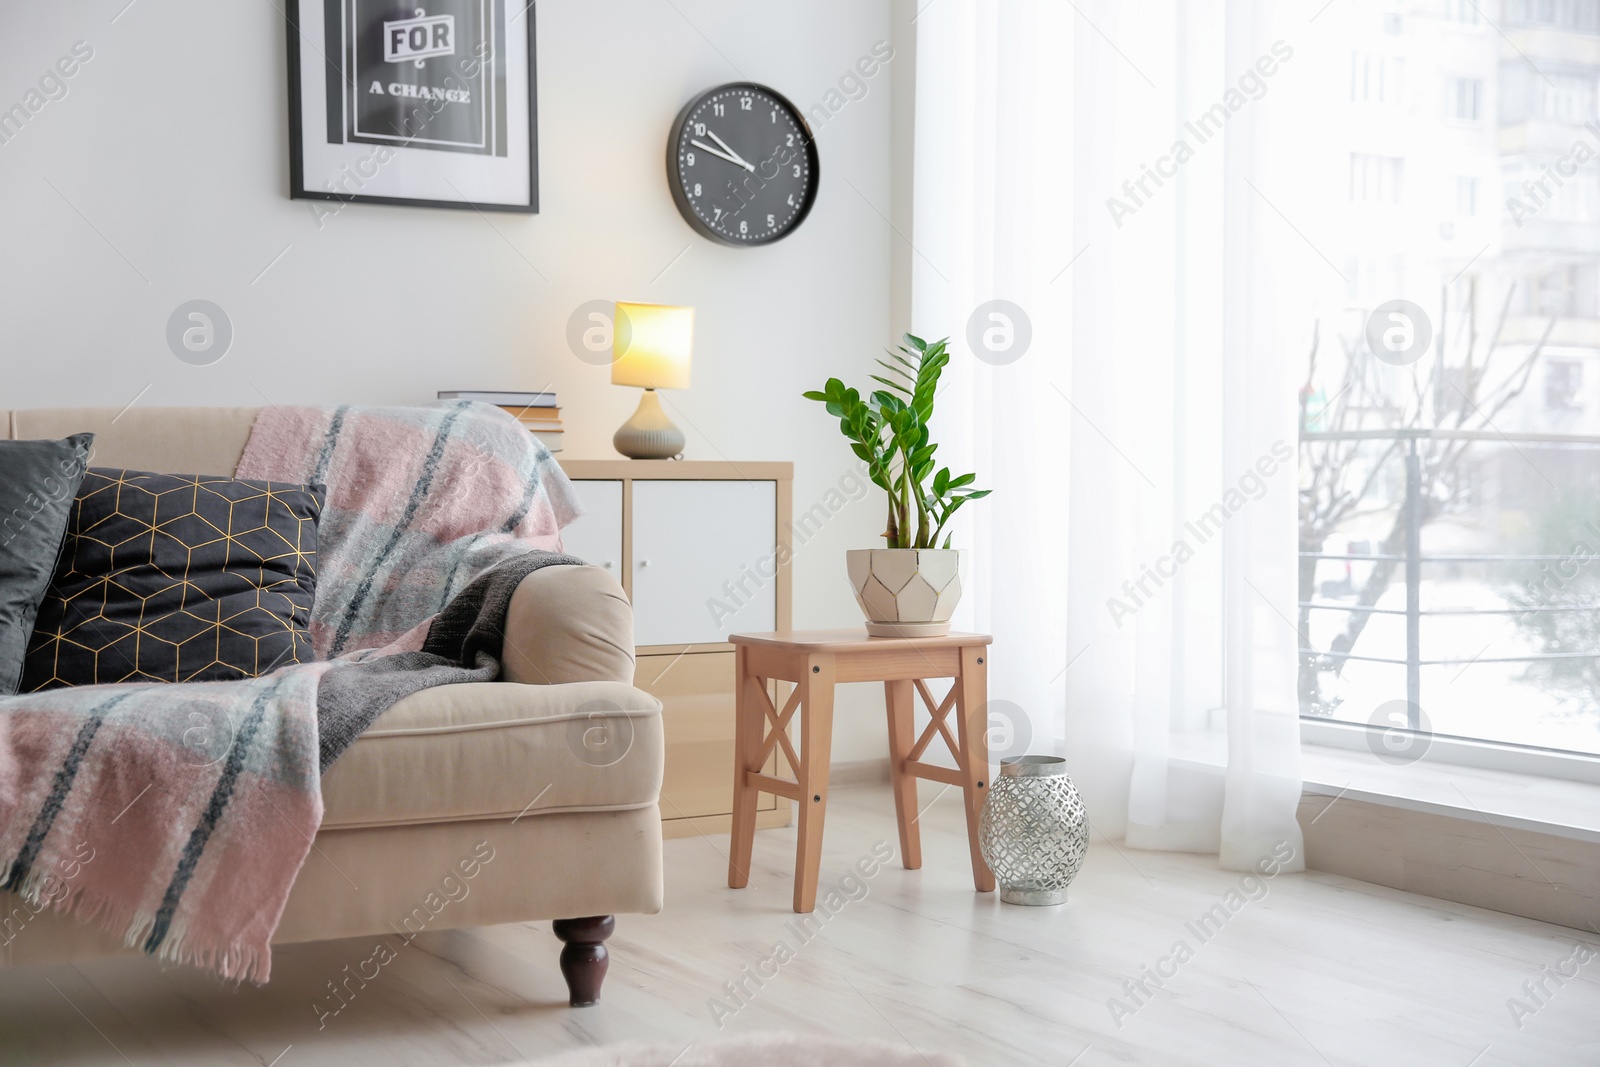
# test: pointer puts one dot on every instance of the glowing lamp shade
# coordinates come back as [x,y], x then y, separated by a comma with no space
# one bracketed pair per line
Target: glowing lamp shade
[652,344]
[650,348]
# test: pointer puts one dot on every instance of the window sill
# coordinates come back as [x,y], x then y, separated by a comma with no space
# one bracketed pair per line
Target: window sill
[1505,798]
[1517,797]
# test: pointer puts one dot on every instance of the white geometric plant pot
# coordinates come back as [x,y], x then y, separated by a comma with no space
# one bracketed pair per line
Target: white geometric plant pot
[906,592]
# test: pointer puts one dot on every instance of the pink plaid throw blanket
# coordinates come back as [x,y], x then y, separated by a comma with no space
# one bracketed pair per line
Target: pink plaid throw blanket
[178,816]
[420,502]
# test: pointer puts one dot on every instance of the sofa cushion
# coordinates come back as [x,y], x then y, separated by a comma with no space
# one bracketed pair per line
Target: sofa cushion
[178,578]
[36,490]
[205,440]
[500,750]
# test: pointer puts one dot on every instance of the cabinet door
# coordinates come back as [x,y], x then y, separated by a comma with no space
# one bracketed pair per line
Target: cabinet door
[704,560]
[596,537]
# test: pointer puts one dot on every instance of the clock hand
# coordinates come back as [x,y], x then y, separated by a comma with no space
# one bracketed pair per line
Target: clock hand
[735,160]
[728,148]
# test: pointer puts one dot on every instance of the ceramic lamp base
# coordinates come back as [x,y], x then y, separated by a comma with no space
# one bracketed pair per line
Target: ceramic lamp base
[649,434]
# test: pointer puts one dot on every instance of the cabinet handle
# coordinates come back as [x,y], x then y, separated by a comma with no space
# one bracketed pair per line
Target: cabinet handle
[644,563]
[606,564]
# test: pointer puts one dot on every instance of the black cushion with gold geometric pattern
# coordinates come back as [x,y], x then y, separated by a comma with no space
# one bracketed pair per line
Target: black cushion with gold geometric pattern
[178,578]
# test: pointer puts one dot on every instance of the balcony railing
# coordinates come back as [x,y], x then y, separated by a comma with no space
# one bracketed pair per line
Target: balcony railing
[1411,519]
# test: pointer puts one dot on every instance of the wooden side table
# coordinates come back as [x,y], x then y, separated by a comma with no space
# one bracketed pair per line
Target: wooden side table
[816,659]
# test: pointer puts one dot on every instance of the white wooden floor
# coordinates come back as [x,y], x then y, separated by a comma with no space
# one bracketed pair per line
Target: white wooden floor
[1320,970]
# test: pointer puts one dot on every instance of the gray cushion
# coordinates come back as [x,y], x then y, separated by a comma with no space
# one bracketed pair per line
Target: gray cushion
[38,480]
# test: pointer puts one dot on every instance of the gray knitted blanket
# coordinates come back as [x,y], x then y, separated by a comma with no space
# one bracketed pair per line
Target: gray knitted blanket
[463,645]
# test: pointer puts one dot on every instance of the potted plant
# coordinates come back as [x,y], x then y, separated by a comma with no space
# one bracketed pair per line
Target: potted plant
[909,588]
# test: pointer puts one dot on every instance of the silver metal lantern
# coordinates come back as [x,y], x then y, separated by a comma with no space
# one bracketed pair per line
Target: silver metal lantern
[1034,831]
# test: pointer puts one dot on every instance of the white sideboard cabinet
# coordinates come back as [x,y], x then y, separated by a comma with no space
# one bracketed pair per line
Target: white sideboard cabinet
[702,550]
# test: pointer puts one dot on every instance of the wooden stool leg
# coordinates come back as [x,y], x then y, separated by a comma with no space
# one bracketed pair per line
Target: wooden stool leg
[748,727]
[816,738]
[972,722]
[899,698]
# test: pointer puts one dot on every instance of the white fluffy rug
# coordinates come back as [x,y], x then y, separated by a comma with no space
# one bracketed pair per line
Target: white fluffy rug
[758,1050]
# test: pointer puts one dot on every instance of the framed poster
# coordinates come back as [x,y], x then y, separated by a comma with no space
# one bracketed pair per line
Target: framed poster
[428,102]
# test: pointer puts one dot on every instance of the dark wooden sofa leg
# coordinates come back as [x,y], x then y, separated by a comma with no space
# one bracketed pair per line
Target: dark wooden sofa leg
[583,957]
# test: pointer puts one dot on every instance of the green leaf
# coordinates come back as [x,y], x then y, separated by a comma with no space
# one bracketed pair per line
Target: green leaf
[908,364]
[890,432]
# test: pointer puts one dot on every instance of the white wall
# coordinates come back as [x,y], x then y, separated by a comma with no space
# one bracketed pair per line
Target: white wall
[168,161]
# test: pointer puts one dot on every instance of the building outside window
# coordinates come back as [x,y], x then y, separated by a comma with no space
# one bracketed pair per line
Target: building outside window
[1472,463]
[1375,179]
[1463,99]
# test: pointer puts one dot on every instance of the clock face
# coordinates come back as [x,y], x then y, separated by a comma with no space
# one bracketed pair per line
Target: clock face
[742,165]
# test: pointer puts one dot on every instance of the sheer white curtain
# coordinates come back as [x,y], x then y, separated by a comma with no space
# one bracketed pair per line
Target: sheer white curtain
[1132,404]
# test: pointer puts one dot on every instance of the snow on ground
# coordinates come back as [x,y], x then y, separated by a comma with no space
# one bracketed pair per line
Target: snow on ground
[1474,697]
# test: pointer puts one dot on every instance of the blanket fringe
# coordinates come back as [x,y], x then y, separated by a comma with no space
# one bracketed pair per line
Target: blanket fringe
[235,961]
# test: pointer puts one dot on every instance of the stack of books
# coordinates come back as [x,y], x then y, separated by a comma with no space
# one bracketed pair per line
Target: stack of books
[536,411]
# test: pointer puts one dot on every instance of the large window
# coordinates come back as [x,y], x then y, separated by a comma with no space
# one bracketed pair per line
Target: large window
[1375,179]
[1581,16]
[1463,99]
[1375,79]
[1450,436]
[1565,96]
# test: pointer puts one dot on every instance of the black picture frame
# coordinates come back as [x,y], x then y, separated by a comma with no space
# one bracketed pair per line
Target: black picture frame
[297,186]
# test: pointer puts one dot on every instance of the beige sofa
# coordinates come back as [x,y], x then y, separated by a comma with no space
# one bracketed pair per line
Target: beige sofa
[556,771]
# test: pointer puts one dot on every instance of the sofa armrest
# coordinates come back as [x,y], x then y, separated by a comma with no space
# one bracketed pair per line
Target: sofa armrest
[568,624]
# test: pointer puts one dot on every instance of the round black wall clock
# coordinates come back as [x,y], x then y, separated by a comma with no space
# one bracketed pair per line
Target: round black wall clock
[742,164]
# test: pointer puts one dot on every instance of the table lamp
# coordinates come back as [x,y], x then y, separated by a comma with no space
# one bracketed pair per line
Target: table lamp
[650,349]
